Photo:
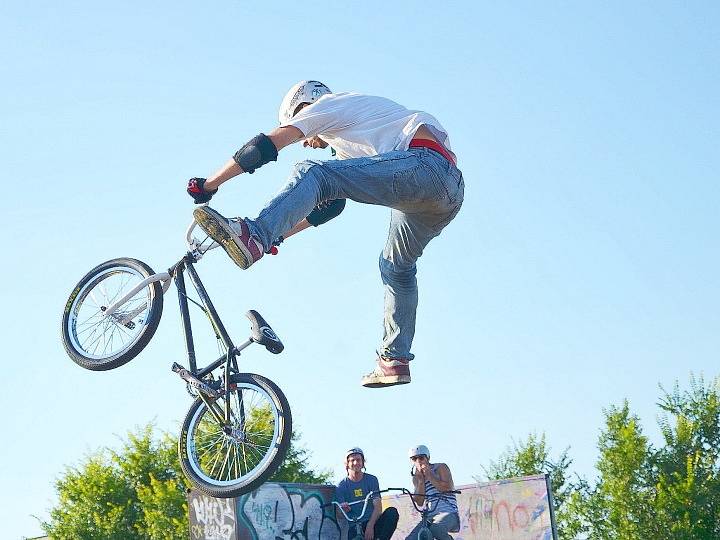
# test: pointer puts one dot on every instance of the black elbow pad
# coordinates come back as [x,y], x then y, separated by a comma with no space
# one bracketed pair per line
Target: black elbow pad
[325,211]
[255,153]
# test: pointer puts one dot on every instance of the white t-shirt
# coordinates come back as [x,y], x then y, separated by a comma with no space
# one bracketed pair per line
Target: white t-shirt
[357,125]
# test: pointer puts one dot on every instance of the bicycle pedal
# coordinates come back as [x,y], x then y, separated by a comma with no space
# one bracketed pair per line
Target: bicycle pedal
[196,383]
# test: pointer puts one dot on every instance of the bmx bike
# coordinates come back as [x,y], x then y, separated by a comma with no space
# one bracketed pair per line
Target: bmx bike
[356,533]
[237,431]
[425,509]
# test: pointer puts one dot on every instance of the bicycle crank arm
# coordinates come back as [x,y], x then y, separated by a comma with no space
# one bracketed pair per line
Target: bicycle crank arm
[193,381]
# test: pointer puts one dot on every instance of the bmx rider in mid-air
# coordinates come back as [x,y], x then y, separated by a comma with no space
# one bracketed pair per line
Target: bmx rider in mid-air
[386,155]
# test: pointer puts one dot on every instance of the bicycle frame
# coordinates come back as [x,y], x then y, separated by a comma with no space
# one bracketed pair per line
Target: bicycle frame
[356,522]
[427,506]
[229,359]
[194,375]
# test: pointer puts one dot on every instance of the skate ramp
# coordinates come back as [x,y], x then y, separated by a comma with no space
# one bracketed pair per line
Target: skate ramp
[513,509]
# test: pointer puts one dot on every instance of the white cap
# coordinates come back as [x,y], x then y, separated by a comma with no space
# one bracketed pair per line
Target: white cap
[354,450]
[419,450]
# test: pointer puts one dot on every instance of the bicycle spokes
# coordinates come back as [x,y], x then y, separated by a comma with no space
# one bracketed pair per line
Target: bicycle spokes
[233,448]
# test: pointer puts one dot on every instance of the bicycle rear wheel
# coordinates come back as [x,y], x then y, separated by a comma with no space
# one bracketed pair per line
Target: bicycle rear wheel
[228,460]
[99,342]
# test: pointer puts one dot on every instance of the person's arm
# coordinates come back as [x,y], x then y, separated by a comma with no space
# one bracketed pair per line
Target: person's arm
[370,528]
[442,480]
[418,480]
[340,498]
[280,137]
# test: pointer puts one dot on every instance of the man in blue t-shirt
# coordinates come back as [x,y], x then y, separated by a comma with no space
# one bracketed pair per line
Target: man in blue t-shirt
[351,493]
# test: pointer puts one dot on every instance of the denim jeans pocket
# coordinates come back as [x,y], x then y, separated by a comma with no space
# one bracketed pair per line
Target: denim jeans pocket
[415,185]
[455,186]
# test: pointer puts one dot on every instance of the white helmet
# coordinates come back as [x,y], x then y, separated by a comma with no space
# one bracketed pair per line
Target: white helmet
[354,450]
[419,450]
[302,92]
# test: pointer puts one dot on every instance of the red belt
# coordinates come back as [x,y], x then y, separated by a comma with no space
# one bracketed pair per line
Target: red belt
[432,145]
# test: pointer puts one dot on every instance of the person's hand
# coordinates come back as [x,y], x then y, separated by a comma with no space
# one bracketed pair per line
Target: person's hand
[369,532]
[345,506]
[315,142]
[196,189]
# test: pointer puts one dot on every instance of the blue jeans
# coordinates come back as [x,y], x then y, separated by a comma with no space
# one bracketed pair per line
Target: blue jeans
[440,526]
[423,190]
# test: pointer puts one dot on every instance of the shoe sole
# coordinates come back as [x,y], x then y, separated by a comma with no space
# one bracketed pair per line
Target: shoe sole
[216,228]
[389,380]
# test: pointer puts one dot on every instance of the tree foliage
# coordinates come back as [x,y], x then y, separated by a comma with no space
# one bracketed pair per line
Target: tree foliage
[669,492]
[139,491]
[531,457]
[296,467]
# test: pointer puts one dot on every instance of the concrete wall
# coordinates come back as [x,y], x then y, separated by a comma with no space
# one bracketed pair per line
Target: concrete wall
[514,509]
[272,512]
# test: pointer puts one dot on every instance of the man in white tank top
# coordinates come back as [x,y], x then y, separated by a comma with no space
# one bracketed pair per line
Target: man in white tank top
[387,155]
[430,480]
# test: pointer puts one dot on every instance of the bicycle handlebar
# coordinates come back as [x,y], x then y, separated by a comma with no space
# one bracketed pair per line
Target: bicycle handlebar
[425,506]
[404,491]
[194,244]
[372,494]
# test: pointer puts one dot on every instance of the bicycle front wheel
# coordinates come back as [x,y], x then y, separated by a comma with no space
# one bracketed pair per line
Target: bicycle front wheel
[227,458]
[99,342]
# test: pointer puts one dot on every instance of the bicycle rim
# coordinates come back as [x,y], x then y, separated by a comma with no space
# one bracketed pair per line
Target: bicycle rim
[238,454]
[97,336]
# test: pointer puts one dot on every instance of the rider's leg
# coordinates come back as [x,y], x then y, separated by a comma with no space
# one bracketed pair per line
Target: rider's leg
[444,523]
[408,236]
[386,524]
[410,181]
[413,181]
[391,179]
[414,533]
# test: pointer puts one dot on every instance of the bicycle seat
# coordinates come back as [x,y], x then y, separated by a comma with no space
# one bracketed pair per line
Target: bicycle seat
[263,334]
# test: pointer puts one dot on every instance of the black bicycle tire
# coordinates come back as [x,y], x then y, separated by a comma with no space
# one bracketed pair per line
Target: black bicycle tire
[153,320]
[242,486]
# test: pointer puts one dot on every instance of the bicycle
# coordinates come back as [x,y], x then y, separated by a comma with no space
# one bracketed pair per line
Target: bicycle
[358,532]
[237,431]
[426,508]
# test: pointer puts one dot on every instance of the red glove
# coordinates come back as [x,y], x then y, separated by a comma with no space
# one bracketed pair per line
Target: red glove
[196,189]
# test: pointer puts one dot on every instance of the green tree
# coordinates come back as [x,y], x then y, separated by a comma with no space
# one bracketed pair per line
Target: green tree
[641,492]
[139,491]
[296,468]
[531,457]
[620,505]
[666,493]
[686,471]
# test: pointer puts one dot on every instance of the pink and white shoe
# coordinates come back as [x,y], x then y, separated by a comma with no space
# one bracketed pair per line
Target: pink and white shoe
[389,372]
[233,236]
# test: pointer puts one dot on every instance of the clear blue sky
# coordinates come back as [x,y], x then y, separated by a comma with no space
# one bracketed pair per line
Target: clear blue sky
[582,270]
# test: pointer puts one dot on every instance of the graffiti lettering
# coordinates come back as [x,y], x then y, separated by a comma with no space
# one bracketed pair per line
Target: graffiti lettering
[275,513]
[515,509]
[214,519]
